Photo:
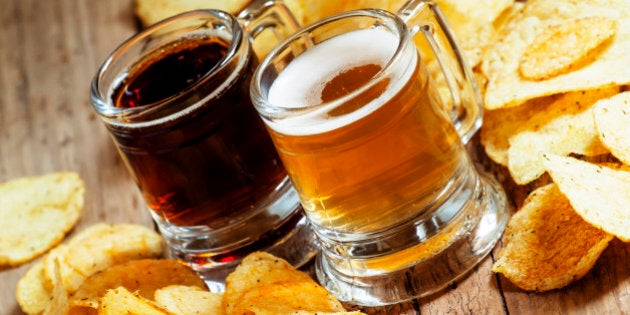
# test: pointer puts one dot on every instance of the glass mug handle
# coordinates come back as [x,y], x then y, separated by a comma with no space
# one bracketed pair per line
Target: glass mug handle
[268,15]
[426,17]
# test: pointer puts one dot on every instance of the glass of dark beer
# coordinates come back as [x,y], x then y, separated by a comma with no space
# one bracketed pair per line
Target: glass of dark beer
[375,154]
[175,99]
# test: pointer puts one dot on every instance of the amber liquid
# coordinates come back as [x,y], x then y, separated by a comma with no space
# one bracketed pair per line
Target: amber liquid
[209,166]
[378,171]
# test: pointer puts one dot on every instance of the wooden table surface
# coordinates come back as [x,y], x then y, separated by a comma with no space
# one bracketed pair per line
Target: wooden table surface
[49,51]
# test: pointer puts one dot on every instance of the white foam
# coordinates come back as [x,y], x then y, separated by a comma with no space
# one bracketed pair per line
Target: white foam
[301,83]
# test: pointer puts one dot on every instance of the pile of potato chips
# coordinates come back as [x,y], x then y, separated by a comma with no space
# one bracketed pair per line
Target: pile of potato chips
[555,98]
[115,269]
[71,263]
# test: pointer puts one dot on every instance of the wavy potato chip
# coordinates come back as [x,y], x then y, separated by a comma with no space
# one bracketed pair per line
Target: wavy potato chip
[473,24]
[263,269]
[120,301]
[287,298]
[103,245]
[612,120]
[565,126]
[563,47]
[143,276]
[91,250]
[34,290]
[58,304]
[506,87]
[36,213]
[547,244]
[599,194]
[185,300]
[500,125]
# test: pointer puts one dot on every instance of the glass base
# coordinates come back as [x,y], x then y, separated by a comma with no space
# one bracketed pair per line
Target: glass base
[278,227]
[479,209]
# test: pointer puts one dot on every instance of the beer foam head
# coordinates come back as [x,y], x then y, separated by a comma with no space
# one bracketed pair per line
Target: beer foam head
[301,83]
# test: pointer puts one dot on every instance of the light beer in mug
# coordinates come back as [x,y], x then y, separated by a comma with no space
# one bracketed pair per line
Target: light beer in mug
[363,170]
[377,159]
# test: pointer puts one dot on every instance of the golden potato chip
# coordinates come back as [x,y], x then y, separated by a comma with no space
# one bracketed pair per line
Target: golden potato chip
[508,15]
[120,301]
[36,213]
[565,126]
[287,298]
[152,11]
[255,270]
[547,244]
[79,310]
[564,47]
[185,300]
[143,276]
[91,250]
[506,87]
[612,120]
[33,290]
[473,24]
[100,246]
[58,304]
[500,125]
[600,195]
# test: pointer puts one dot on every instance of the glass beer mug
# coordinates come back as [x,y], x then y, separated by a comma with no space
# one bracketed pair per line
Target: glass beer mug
[377,160]
[175,99]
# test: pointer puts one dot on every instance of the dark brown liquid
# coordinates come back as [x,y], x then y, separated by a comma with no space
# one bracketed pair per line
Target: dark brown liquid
[214,163]
[176,71]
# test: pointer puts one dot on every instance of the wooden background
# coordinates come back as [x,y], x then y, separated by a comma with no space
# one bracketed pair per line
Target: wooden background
[49,51]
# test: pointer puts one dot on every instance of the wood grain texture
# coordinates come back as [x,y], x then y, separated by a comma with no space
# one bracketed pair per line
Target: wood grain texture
[49,51]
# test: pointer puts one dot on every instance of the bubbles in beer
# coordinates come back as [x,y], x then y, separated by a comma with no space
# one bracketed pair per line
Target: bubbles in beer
[303,82]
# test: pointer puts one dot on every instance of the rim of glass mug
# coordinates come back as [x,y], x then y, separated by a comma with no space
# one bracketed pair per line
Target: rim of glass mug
[273,111]
[466,114]
[224,26]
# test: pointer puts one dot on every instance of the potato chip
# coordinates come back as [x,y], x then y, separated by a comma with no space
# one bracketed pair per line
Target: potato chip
[500,125]
[143,276]
[473,24]
[91,250]
[612,120]
[59,302]
[547,244]
[563,47]
[563,127]
[506,87]
[287,298]
[120,301]
[258,269]
[152,11]
[34,290]
[599,194]
[100,246]
[185,300]
[36,213]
